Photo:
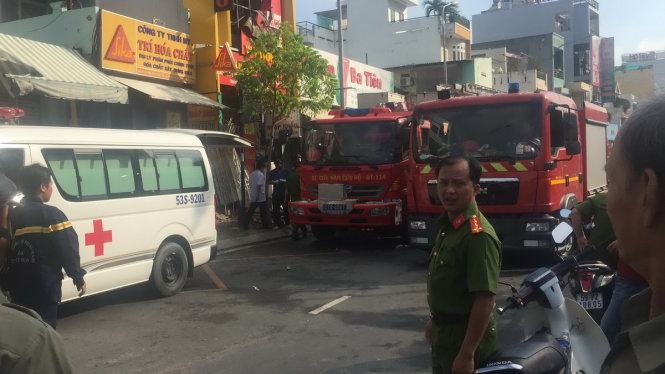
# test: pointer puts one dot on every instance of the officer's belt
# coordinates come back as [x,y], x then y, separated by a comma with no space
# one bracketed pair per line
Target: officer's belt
[449,319]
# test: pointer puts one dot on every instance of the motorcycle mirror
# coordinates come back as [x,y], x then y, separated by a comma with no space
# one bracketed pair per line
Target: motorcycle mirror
[565,213]
[561,232]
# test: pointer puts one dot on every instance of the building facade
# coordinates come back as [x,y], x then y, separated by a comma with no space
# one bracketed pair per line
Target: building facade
[646,67]
[162,50]
[542,53]
[522,25]
[380,33]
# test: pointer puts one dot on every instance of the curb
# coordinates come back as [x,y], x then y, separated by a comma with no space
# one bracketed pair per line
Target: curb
[231,243]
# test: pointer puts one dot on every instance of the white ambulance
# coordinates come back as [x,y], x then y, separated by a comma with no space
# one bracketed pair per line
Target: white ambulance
[141,202]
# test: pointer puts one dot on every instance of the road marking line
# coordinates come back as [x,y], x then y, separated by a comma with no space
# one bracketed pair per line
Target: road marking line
[214,278]
[329,305]
[276,256]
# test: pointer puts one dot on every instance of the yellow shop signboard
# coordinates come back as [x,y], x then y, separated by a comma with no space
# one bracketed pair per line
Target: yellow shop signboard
[141,48]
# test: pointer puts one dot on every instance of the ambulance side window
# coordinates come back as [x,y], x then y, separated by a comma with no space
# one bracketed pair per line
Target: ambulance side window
[120,171]
[148,172]
[90,166]
[192,170]
[61,163]
[11,161]
[167,171]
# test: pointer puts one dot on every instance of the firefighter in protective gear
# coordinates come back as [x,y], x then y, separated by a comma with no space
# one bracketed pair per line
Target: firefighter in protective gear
[44,243]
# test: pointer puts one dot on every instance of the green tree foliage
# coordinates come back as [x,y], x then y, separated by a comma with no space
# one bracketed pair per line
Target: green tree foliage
[281,75]
[436,7]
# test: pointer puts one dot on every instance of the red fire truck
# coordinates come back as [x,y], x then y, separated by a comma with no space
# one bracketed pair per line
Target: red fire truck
[354,172]
[539,152]
[10,116]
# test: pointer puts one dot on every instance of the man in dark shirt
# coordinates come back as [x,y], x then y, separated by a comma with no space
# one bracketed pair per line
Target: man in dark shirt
[277,178]
[44,243]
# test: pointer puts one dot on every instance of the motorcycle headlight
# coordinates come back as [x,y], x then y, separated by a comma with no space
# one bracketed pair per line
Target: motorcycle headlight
[418,225]
[537,227]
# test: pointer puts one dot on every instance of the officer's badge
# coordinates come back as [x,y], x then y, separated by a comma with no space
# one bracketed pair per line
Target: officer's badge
[476,228]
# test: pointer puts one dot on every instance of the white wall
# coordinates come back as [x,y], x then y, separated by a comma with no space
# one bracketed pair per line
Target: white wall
[371,37]
[528,81]
[530,20]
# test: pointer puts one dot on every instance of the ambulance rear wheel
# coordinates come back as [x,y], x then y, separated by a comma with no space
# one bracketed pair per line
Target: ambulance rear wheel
[169,271]
[323,233]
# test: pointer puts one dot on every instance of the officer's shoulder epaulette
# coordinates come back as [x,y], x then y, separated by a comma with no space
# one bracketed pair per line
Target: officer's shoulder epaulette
[476,226]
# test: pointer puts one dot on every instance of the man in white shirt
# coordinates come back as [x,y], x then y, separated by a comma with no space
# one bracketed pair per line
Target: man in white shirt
[257,196]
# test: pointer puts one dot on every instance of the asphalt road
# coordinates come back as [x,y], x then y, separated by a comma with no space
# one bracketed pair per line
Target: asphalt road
[260,320]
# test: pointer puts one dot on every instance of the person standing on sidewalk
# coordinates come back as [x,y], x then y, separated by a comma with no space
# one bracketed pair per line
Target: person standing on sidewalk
[463,273]
[293,190]
[44,242]
[257,196]
[277,178]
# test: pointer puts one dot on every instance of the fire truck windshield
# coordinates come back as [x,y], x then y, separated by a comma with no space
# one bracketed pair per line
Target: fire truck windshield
[488,132]
[355,143]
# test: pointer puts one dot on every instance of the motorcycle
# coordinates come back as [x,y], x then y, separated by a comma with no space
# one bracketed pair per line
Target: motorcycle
[591,282]
[592,285]
[561,336]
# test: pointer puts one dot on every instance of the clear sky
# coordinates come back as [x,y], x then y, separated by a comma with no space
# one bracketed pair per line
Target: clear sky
[636,25]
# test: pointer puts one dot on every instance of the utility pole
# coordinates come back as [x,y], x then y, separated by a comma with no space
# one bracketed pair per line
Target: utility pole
[445,50]
[340,61]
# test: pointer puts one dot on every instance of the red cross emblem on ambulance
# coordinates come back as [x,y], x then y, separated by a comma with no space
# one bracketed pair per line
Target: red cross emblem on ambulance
[98,237]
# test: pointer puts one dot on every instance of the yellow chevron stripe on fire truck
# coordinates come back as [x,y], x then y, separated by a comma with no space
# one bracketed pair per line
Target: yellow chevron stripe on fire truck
[426,169]
[498,167]
[520,167]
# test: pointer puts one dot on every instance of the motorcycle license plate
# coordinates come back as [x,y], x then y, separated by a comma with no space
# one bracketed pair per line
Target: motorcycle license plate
[593,300]
[334,208]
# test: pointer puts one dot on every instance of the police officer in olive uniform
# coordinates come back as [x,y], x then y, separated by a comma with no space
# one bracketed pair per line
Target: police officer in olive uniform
[27,344]
[463,273]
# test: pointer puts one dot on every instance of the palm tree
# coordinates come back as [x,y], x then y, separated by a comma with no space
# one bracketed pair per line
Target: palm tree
[437,7]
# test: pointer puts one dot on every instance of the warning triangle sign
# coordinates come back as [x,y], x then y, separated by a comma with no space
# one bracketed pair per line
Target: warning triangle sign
[225,60]
[119,49]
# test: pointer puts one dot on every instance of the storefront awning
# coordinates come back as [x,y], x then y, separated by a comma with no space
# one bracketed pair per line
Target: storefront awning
[169,93]
[54,71]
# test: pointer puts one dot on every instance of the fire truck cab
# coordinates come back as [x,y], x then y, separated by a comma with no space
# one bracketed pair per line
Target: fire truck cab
[539,152]
[354,172]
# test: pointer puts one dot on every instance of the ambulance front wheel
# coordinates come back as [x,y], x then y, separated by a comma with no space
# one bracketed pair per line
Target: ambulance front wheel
[169,271]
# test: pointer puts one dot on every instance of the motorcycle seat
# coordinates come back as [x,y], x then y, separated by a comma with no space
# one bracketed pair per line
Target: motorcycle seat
[540,354]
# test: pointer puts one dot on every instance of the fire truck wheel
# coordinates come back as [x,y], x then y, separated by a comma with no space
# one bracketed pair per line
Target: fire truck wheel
[323,233]
[169,270]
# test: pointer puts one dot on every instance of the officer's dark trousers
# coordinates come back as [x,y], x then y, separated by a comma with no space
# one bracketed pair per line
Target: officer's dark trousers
[47,310]
[279,210]
[264,214]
